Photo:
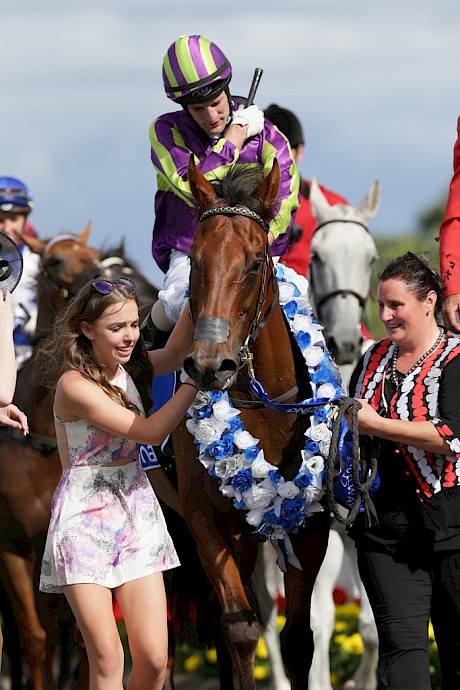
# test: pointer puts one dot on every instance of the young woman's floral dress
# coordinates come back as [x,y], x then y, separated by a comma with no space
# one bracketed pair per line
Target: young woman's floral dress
[106,526]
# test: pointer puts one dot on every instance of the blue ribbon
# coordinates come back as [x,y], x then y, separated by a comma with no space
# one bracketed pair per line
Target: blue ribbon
[302,407]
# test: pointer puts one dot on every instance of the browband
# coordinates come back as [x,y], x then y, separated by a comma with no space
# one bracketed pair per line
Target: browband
[234,211]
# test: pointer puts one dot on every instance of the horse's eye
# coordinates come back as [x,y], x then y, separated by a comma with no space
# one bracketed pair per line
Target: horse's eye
[256,266]
[53,262]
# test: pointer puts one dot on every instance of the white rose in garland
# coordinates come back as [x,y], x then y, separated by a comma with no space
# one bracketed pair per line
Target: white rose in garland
[229,452]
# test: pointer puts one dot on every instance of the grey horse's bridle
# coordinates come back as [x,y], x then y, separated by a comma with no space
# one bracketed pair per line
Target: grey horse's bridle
[341,292]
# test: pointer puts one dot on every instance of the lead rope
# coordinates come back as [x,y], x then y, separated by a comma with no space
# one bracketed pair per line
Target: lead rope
[364,464]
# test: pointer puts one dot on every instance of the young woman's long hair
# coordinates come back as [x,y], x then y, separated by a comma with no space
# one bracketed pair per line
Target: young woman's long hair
[67,347]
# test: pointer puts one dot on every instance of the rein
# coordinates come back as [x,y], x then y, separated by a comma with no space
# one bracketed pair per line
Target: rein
[45,444]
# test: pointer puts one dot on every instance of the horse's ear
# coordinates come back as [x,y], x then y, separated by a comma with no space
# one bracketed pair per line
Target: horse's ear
[267,190]
[35,245]
[85,233]
[202,190]
[319,204]
[370,204]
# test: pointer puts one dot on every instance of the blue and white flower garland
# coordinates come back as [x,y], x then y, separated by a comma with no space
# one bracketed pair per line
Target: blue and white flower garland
[275,507]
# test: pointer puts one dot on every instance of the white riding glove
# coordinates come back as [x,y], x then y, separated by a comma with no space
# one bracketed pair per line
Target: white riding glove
[252,116]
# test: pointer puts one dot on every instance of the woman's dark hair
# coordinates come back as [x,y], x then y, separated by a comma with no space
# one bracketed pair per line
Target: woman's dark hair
[68,348]
[418,277]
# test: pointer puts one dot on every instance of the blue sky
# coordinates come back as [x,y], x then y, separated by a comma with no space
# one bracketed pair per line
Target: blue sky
[375,85]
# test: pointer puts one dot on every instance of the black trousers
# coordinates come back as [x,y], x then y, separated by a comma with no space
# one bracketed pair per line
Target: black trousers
[403,600]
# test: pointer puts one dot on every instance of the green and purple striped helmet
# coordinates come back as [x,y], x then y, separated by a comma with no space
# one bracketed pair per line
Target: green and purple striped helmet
[195,70]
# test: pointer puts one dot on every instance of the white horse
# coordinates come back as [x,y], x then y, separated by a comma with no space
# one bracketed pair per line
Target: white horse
[342,257]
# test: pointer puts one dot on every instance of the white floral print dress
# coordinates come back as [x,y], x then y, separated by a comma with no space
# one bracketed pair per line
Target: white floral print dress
[106,526]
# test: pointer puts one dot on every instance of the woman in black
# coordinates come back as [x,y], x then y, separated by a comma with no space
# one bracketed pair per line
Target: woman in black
[410,563]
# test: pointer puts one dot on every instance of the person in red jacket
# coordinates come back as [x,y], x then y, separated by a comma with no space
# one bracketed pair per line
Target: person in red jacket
[297,255]
[449,247]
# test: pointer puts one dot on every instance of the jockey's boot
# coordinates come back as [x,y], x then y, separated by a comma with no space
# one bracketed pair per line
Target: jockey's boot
[156,328]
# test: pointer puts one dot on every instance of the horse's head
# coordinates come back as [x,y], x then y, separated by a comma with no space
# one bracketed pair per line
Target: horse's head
[342,256]
[67,263]
[232,285]
[115,264]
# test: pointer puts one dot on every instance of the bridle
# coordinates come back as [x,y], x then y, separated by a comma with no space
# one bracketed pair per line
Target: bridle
[64,291]
[343,291]
[267,280]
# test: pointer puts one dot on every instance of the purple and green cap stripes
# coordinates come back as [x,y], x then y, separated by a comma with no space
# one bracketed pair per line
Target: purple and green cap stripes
[191,63]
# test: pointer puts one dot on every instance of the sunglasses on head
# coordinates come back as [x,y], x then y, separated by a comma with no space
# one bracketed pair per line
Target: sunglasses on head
[105,287]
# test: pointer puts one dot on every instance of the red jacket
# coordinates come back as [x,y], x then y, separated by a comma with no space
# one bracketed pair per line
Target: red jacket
[449,234]
[298,257]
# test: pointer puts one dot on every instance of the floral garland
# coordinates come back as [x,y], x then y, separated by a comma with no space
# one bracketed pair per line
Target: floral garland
[275,507]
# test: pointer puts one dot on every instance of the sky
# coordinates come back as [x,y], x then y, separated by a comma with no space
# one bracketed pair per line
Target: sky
[375,85]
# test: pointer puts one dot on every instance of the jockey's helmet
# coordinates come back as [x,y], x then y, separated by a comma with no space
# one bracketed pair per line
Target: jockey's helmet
[195,70]
[15,195]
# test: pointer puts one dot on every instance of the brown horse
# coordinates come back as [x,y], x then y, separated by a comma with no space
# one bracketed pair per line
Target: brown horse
[234,308]
[30,470]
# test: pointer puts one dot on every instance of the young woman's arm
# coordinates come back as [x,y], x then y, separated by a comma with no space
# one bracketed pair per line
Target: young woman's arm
[171,357]
[78,398]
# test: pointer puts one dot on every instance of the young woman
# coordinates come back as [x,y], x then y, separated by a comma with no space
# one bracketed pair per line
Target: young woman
[410,563]
[107,534]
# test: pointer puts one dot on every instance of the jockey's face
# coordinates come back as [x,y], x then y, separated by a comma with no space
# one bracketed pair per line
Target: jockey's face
[12,224]
[212,116]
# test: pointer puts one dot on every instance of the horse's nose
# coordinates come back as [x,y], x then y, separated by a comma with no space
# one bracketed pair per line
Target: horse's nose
[211,374]
[344,352]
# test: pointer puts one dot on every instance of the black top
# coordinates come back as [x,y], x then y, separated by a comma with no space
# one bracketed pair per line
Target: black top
[406,523]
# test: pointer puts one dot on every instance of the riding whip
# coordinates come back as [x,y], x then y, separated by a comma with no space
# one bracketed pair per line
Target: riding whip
[254,86]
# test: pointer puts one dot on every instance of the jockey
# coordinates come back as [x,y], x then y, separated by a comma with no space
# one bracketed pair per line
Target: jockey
[297,255]
[221,132]
[16,203]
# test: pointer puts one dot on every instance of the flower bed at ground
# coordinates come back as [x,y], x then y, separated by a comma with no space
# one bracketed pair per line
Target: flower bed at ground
[345,649]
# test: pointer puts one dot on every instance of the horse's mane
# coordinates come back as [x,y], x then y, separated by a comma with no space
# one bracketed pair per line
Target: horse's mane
[238,186]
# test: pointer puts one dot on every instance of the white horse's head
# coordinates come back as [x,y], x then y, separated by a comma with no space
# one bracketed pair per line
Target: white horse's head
[342,255]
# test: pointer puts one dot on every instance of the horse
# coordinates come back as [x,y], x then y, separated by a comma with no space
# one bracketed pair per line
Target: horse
[116,264]
[342,256]
[237,320]
[343,253]
[29,472]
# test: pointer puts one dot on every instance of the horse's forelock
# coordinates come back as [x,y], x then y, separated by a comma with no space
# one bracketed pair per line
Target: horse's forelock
[237,189]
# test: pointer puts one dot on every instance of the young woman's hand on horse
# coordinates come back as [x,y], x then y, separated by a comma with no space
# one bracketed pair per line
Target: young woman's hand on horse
[171,357]
[13,417]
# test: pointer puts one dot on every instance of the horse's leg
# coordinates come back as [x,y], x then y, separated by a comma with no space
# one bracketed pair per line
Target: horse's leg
[19,572]
[240,627]
[239,623]
[365,676]
[296,637]
[265,582]
[323,613]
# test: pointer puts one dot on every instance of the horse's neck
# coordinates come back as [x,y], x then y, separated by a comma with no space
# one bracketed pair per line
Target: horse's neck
[273,358]
[35,400]
[49,304]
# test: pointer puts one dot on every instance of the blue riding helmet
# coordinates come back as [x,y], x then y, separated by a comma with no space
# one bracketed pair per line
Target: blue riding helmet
[15,195]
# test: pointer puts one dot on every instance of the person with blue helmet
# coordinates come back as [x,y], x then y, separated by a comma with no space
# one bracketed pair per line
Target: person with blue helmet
[16,203]
[221,133]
